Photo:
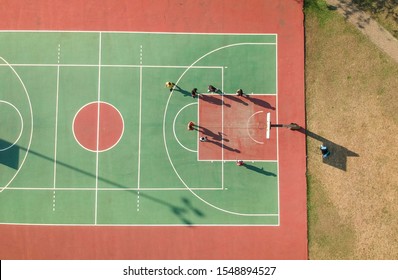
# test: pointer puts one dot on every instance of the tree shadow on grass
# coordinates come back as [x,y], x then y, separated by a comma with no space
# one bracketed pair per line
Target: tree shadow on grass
[338,154]
[181,211]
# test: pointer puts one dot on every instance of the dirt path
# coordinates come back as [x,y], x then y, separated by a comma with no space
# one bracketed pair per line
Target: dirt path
[377,34]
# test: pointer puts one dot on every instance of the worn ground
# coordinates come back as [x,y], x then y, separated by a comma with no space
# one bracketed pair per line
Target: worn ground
[351,105]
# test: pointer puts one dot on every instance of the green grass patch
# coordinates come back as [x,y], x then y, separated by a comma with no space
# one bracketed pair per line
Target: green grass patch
[318,8]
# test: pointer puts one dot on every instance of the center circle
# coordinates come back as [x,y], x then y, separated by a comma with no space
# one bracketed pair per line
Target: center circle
[98,126]
[11,125]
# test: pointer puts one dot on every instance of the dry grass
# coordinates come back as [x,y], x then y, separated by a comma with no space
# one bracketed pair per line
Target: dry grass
[352,91]
[385,12]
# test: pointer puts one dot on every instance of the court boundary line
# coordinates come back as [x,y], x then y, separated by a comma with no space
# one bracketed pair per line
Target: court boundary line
[99,90]
[111,189]
[108,65]
[148,225]
[277,121]
[135,32]
[222,128]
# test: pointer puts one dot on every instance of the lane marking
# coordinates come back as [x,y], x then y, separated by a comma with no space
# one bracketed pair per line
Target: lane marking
[247,127]
[22,126]
[56,127]
[98,128]
[174,131]
[139,135]
[31,123]
[167,150]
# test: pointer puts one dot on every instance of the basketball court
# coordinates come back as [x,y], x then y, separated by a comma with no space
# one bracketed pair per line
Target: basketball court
[93,144]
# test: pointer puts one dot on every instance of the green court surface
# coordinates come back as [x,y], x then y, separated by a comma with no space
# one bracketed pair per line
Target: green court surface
[149,173]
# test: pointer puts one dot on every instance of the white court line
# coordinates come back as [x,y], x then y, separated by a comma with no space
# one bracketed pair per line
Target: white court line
[197,136]
[112,189]
[147,225]
[21,130]
[139,133]
[167,150]
[109,65]
[139,136]
[174,130]
[56,122]
[222,128]
[31,129]
[244,159]
[56,129]
[277,121]
[98,127]
[247,127]
[137,32]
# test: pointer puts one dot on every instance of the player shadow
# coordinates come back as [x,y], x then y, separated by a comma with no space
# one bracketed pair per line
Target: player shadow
[216,136]
[259,170]
[182,91]
[9,154]
[213,100]
[338,154]
[236,99]
[181,211]
[260,102]
[223,146]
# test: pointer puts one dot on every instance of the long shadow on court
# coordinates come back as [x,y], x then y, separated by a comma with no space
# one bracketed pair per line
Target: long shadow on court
[223,146]
[249,98]
[259,170]
[235,99]
[338,154]
[182,91]
[9,154]
[180,211]
[213,100]
[260,102]
[216,136]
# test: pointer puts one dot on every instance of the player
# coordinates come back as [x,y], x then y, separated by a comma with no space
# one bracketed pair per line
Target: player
[191,125]
[325,151]
[212,89]
[194,92]
[239,92]
[170,85]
